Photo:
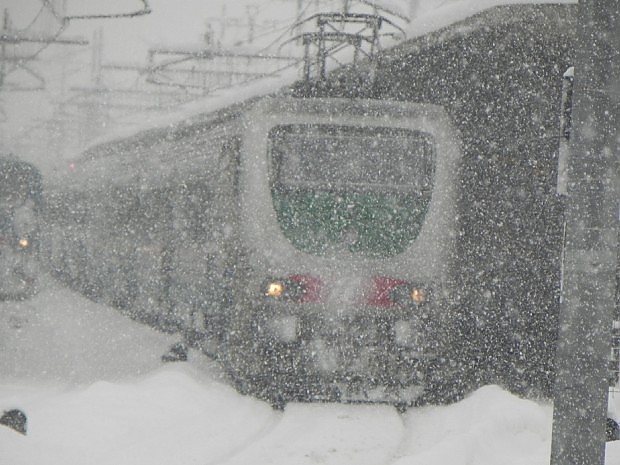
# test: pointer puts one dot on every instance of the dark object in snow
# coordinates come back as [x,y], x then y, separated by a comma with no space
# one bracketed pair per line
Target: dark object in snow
[14,419]
[177,353]
[402,407]
[612,430]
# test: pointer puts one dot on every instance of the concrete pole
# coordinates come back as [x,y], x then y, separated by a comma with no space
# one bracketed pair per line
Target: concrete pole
[591,253]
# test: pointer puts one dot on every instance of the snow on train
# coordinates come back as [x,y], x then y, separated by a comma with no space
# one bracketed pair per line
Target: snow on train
[20,205]
[328,245]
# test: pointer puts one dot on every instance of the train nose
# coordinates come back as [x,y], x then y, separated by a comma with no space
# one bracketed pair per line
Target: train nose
[345,295]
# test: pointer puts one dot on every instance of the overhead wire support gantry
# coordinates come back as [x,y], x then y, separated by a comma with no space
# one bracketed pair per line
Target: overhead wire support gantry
[146,9]
[10,38]
[11,59]
[205,69]
[336,31]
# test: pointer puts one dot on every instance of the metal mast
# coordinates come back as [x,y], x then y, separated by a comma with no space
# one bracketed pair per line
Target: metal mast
[591,253]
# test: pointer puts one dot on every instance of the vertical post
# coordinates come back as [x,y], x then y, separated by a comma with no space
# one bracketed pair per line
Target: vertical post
[97,53]
[5,30]
[299,7]
[413,8]
[251,11]
[307,58]
[322,50]
[591,254]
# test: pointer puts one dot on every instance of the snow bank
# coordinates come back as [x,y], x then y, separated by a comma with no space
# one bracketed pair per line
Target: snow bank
[95,391]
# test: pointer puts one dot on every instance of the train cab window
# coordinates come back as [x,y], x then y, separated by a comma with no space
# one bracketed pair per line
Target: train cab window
[352,157]
[350,189]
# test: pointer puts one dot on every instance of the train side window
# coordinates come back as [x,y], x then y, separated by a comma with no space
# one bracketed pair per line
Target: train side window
[202,207]
[125,211]
[192,212]
[6,221]
[229,160]
[224,202]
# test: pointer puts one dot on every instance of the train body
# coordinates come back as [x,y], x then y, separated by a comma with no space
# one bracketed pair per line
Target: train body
[20,206]
[304,242]
[324,244]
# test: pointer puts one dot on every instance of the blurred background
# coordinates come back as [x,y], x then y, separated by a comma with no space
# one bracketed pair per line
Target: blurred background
[73,71]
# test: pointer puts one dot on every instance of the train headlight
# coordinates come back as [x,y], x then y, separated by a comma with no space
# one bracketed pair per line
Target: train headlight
[275,289]
[418,295]
[409,294]
[23,243]
[296,288]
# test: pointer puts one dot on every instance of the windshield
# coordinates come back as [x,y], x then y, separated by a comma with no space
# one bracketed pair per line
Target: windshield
[362,190]
[351,157]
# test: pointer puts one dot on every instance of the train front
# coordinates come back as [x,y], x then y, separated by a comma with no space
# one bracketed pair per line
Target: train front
[347,236]
[20,196]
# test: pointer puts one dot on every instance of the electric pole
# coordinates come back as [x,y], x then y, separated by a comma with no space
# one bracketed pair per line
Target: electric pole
[591,252]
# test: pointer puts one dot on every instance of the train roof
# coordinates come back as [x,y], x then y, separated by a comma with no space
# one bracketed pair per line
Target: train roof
[149,137]
[143,142]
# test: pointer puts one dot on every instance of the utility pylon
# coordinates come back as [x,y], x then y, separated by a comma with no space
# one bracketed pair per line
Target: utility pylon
[12,59]
[589,290]
[10,37]
[337,31]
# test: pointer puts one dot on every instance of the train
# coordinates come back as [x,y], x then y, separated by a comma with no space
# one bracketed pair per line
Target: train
[288,223]
[397,241]
[21,201]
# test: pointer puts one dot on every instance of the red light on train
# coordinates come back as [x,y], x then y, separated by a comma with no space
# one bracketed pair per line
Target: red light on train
[381,291]
[311,287]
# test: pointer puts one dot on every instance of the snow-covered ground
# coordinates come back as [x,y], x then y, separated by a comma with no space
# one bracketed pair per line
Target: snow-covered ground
[95,391]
